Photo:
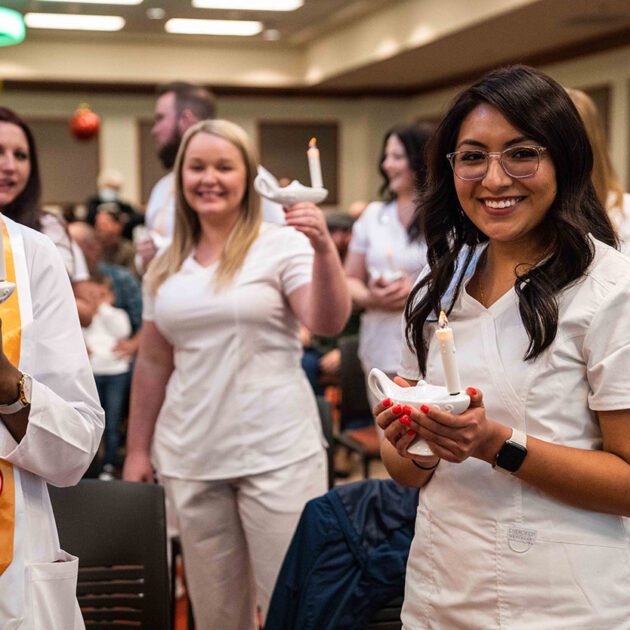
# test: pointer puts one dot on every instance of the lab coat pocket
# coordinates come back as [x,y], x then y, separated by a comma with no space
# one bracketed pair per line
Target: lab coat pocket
[53,587]
[550,580]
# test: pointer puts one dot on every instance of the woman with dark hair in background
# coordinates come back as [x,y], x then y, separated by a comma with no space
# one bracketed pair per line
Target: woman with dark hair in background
[521,517]
[387,249]
[25,208]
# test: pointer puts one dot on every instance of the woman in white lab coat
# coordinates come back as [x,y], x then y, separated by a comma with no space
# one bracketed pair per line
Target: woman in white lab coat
[521,521]
[50,419]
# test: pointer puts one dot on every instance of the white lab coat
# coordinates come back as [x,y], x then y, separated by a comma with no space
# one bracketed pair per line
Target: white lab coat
[38,589]
[491,551]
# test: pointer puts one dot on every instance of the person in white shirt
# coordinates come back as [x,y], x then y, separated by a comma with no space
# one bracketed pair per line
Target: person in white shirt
[605,180]
[218,393]
[524,502]
[50,419]
[388,249]
[178,106]
[112,369]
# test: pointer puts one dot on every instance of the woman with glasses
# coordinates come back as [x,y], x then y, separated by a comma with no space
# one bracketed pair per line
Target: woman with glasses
[521,522]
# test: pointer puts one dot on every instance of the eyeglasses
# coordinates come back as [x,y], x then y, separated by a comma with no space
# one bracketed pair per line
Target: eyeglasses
[517,162]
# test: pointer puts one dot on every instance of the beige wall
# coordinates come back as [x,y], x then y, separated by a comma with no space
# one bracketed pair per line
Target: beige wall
[362,121]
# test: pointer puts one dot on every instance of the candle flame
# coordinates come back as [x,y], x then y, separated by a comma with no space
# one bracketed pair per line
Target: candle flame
[442,320]
[312,142]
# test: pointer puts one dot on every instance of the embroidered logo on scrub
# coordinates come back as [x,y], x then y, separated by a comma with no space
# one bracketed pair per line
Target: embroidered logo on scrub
[521,539]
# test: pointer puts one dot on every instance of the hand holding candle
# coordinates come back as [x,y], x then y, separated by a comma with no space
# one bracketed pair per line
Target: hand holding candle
[314,165]
[444,335]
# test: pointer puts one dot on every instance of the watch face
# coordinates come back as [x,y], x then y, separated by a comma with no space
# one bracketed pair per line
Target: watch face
[511,456]
[27,390]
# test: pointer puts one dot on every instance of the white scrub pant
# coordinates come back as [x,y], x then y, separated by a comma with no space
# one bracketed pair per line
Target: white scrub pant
[235,533]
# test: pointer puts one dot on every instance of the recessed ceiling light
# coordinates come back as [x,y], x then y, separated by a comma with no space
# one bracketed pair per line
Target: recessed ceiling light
[272,34]
[11,27]
[249,5]
[74,22]
[97,1]
[242,28]
[156,13]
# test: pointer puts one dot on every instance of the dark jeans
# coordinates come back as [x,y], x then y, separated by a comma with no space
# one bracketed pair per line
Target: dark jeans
[113,390]
[310,365]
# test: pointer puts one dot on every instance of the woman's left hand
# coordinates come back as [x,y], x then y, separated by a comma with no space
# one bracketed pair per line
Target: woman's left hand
[307,218]
[455,438]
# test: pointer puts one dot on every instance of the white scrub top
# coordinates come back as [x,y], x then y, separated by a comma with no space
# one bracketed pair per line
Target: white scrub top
[38,589]
[160,213]
[379,235]
[238,402]
[489,550]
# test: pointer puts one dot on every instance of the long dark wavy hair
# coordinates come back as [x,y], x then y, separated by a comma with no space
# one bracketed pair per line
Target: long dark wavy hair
[414,138]
[541,109]
[25,208]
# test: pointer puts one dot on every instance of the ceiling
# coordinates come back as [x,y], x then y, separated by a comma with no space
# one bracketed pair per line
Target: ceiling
[299,27]
[539,31]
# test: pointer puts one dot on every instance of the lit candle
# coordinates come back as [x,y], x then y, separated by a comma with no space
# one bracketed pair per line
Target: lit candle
[445,338]
[314,165]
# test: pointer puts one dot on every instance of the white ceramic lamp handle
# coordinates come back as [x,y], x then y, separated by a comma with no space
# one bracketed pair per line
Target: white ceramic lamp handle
[376,379]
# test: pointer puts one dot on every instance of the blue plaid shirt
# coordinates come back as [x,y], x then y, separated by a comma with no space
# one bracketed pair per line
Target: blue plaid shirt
[127,290]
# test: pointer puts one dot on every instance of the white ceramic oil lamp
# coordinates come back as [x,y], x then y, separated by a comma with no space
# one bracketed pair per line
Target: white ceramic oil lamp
[267,185]
[449,398]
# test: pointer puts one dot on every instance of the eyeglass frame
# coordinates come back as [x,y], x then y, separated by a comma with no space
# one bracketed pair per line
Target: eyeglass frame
[498,154]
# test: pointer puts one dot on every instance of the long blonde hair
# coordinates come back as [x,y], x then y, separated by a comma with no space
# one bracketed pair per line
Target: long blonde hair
[605,180]
[187,227]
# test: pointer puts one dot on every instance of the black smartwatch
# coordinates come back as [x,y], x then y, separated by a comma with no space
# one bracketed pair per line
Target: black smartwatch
[512,454]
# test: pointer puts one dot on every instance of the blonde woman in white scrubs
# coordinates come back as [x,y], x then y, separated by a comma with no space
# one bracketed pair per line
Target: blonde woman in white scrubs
[523,507]
[218,392]
[50,419]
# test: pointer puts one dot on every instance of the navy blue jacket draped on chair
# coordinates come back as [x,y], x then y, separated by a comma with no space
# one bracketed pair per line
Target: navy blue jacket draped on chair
[347,557]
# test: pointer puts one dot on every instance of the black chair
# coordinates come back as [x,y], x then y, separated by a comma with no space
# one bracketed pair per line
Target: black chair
[387,617]
[358,431]
[325,415]
[118,531]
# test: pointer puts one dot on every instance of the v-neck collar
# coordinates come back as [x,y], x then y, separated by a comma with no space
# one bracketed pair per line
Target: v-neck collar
[497,307]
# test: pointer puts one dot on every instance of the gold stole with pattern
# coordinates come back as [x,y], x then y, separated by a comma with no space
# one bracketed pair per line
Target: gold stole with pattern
[11,339]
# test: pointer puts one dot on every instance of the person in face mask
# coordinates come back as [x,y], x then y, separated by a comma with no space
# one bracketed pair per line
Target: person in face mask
[109,184]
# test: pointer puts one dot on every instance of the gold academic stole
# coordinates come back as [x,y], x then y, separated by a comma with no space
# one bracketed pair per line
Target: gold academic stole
[11,339]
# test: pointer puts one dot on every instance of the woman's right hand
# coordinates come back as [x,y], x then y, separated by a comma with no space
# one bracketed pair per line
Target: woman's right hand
[138,467]
[389,296]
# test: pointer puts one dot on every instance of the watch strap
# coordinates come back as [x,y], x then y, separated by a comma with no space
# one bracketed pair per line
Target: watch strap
[22,400]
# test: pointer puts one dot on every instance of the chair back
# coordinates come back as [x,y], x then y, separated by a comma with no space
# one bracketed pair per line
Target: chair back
[324,407]
[354,400]
[118,531]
